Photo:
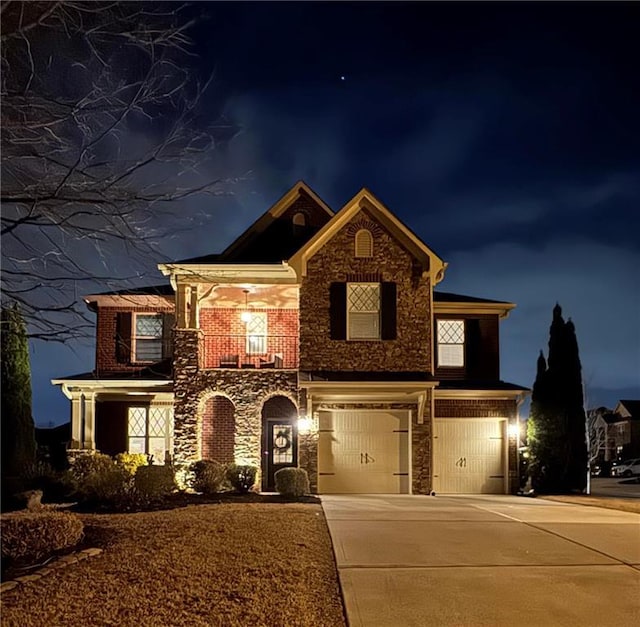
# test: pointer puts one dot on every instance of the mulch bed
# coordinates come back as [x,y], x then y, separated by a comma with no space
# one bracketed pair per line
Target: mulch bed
[236,560]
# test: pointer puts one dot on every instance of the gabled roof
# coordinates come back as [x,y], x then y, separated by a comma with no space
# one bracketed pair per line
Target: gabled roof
[364,199]
[448,303]
[448,297]
[628,408]
[268,239]
[152,295]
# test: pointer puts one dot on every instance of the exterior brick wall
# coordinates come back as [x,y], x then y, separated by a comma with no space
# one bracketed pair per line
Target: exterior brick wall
[336,262]
[480,408]
[225,334]
[218,430]
[106,360]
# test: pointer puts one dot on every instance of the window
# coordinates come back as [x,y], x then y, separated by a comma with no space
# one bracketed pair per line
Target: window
[257,334]
[148,337]
[451,343]
[150,430]
[364,243]
[363,311]
[299,219]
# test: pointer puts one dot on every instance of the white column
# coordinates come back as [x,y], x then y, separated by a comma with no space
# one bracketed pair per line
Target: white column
[76,420]
[89,439]
[194,311]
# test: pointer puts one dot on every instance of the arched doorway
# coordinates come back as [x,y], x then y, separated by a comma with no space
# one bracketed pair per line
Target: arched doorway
[218,430]
[279,438]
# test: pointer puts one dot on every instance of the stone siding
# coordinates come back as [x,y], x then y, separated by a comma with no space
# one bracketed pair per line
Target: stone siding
[246,389]
[336,262]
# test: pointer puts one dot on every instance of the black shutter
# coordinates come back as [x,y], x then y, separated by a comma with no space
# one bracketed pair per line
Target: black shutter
[123,337]
[338,311]
[168,322]
[472,348]
[388,325]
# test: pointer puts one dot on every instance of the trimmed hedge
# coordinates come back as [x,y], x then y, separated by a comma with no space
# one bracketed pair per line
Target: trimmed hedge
[154,482]
[97,478]
[292,482]
[241,477]
[131,461]
[208,476]
[32,535]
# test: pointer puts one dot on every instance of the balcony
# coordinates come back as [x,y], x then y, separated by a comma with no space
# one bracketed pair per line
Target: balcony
[251,351]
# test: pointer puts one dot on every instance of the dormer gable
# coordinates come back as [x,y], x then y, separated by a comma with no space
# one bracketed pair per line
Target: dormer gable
[282,229]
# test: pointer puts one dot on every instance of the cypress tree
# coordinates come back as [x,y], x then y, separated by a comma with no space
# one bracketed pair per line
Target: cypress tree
[18,431]
[556,428]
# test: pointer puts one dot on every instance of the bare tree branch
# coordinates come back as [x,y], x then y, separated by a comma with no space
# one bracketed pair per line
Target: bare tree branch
[102,143]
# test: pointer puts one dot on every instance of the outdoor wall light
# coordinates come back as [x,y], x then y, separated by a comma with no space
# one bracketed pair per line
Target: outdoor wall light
[305,424]
[513,430]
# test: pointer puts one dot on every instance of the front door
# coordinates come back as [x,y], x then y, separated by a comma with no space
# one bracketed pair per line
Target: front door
[279,449]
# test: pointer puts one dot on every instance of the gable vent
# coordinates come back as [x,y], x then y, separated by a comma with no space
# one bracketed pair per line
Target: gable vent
[364,243]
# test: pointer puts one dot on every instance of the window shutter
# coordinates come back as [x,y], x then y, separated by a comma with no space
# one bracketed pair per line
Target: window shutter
[168,322]
[388,300]
[338,311]
[472,347]
[123,337]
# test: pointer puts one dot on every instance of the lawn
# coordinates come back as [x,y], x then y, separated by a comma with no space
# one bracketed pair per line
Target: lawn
[608,502]
[212,564]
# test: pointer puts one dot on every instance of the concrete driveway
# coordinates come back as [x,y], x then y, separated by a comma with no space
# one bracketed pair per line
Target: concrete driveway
[484,560]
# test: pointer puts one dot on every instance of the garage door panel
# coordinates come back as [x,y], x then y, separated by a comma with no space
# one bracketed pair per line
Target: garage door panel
[469,456]
[363,452]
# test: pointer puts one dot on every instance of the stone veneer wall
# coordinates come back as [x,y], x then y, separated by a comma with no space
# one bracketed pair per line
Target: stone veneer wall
[246,389]
[420,442]
[485,408]
[336,262]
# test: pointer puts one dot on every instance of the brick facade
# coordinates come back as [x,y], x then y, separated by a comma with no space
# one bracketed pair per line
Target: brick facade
[225,333]
[336,262]
[106,331]
[218,430]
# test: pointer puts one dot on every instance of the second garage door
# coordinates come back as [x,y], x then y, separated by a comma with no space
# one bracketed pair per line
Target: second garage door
[363,452]
[469,456]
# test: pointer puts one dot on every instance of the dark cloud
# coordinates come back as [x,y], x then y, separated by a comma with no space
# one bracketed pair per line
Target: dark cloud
[504,134]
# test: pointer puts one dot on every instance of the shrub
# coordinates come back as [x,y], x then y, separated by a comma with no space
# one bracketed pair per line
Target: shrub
[292,482]
[153,482]
[42,476]
[131,461]
[208,476]
[98,479]
[32,535]
[241,477]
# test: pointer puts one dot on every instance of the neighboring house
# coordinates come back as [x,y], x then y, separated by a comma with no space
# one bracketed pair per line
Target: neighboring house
[315,339]
[624,429]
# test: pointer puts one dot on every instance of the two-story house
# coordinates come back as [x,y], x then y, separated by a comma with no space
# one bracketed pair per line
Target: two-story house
[317,339]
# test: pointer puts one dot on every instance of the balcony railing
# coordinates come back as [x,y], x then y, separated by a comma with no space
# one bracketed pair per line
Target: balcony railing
[251,351]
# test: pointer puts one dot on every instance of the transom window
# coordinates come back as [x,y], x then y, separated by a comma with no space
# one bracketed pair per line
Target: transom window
[363,311]
[148,337]
[257,334]
[364,243]
[451,343]
[150,431]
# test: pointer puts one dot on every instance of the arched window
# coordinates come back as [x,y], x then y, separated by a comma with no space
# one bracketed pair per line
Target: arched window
[299,219]
[364,243]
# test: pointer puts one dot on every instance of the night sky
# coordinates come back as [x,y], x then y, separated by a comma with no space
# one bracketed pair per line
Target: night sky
[505,135]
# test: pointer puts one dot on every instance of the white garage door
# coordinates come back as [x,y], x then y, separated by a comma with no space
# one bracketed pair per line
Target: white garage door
[363,452]
[469,456]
